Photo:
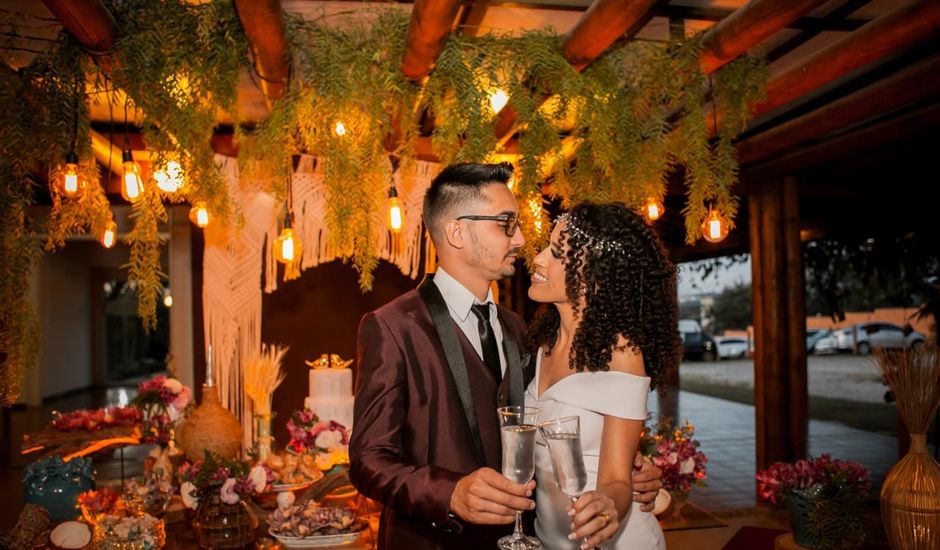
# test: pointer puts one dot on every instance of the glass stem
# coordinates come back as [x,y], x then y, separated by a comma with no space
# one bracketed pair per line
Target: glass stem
[518,530]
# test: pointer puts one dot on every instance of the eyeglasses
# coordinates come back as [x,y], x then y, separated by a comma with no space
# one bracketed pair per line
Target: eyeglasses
[510,222]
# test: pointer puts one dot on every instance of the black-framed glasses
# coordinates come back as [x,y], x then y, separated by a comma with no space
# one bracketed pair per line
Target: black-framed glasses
[510,222]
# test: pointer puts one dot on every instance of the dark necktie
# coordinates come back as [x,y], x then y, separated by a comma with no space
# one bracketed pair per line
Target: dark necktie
[488,340]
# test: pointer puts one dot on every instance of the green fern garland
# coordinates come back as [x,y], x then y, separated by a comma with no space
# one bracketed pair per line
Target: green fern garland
[608,132]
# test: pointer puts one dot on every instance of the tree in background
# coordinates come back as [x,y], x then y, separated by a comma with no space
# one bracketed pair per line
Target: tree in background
[732,309]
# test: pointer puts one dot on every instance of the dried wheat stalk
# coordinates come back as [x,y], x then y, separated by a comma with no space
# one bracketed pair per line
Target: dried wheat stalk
[263,374]
[914,377]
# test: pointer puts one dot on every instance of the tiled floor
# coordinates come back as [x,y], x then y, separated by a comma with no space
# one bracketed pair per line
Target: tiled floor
[726,432]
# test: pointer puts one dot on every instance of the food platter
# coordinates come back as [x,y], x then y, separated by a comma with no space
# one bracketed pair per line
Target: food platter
[318,541]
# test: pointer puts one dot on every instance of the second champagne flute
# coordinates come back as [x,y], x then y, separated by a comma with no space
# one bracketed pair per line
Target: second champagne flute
[517,430]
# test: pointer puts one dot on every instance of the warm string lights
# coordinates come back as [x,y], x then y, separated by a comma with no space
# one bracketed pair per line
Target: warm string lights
[715,227]
[132,187]
[340,129]
[287,247]
[109,235]
[70,185]
[199,214]
[396,217]
[653,209]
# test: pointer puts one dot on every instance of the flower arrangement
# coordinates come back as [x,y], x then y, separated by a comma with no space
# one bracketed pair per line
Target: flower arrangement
[674,450]
[308,433]
[830,491]
[129,533]
[162,401]
[228,480]
[96,419]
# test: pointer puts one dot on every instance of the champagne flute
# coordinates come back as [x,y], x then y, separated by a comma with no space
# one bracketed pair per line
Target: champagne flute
[563,436]
[517,430]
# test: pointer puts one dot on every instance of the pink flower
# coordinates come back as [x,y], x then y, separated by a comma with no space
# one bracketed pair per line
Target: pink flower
[183,398]
[228,493]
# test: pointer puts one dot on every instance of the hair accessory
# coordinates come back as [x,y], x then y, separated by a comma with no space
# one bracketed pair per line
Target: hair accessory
[604,245]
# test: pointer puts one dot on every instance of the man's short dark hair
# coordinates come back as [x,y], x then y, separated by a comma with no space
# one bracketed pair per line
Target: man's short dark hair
[456,186]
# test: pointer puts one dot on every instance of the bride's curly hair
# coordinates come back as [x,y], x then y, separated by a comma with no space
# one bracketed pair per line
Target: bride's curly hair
[621,282]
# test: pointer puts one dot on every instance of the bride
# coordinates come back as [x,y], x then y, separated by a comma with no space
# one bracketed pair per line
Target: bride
[605,335]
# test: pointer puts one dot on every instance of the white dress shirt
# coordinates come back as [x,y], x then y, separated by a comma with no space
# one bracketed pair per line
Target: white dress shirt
[459,301]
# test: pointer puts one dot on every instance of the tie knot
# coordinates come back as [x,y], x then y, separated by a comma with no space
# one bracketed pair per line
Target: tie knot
[482,311]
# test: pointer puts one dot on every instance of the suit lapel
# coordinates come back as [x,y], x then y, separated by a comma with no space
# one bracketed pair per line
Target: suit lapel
[453,352]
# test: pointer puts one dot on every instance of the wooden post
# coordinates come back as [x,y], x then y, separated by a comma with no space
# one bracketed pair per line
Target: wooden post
[780,395]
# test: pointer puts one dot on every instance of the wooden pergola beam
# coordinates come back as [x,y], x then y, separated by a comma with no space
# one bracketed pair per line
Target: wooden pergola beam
[747,27]
[604,22]
[431,22]
[906,87]
[90,22]
[263,22]
[903,28]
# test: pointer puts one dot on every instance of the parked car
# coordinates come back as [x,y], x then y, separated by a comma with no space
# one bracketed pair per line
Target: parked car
[813,336]
[877,335]
[732,347]
[826,344]
[696,344]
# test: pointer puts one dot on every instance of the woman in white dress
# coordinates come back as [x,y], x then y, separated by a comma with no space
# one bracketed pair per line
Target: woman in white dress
[605,335]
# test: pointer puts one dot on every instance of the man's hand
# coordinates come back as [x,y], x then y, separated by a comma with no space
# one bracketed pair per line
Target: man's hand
[486,497]
[647,481]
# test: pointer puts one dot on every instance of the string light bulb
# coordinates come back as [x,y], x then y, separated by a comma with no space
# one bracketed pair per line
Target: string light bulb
[169,178]
[109,236]
[396,216]
[199,214]
[287,247]
[340,129]
[133,187]
[498,99]
[653,209]
[715,226]
[71,186]
[167,298]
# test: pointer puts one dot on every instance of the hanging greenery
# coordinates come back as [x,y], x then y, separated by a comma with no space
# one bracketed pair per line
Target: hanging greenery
[608,133]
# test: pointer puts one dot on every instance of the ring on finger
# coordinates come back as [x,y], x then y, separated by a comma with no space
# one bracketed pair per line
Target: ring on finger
[604,516]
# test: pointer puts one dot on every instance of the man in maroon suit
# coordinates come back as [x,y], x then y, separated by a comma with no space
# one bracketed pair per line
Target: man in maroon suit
[434,364]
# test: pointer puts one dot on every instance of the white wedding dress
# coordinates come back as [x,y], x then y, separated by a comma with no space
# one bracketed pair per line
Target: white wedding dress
[589,395]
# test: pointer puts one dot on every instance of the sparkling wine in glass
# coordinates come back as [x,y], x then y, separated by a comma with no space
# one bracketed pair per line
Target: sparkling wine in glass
[563,437]
[517,430]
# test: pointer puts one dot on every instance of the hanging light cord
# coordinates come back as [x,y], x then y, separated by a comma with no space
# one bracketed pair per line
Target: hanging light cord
[127,145]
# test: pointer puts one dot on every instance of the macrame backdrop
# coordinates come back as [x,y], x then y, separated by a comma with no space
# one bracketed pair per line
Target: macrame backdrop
[231,289]
[235,258]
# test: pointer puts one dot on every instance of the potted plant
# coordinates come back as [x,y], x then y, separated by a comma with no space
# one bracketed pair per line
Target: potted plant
[823,496]
[674,450]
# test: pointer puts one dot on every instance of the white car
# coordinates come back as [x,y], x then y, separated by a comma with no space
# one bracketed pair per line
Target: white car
[876,335]
[731,347]
[826,344]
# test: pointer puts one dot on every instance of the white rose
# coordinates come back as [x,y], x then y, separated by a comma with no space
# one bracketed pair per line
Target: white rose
[687,466]
[285,499]
[259,478]
[173,385]
[672,458]
[186,493]
[329,439]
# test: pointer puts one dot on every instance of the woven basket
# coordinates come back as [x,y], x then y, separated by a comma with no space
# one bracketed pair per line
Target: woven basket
[211,427]
[221,525]
[910,499]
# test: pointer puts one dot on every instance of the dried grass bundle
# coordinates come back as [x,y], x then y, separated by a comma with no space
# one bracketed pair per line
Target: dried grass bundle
[263,374]
[914,377]
[910,497]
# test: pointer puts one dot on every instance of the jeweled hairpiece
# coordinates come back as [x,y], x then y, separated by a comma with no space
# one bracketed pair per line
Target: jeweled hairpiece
[571,226]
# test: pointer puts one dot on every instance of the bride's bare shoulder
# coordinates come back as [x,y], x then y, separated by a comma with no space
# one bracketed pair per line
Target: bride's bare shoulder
[625,358]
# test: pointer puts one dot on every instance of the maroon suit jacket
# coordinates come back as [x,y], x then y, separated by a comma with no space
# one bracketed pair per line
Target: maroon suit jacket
[411,442]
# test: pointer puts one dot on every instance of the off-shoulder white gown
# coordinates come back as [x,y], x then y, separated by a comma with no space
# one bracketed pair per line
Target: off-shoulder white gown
[590,395]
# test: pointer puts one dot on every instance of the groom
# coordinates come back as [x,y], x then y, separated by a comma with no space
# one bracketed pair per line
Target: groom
[434,364]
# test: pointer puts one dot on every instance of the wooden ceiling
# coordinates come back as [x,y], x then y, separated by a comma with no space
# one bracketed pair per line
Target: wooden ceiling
[850,81]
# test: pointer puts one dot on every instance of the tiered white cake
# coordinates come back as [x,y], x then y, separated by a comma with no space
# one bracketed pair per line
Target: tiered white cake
[331,395]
